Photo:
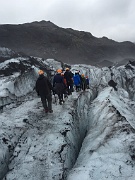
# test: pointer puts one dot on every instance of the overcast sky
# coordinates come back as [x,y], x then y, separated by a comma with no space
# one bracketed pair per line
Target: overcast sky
[114,19]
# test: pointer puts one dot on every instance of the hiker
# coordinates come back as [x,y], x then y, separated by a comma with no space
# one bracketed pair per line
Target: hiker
[80,80]
[43,89]
[68,75]
[65,87]
[77,81]
[58,84]
[113,84]
[83,83]
[87,82]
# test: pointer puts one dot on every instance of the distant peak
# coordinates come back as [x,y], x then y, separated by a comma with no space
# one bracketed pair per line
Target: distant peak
[41,23]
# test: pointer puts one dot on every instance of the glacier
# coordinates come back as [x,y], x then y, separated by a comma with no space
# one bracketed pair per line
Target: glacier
[91,136]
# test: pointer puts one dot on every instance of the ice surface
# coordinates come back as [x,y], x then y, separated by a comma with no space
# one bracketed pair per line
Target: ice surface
[91,136]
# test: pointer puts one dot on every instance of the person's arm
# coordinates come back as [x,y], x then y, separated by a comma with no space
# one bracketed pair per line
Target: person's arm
[50,85]
[54,81]
[37,89]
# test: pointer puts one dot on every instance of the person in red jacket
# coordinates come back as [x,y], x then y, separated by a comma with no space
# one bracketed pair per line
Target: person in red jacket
[65,87]
[68,75]
[43,89]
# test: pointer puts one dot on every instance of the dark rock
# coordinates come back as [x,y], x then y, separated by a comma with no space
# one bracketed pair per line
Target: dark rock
[112,84]
[46,40]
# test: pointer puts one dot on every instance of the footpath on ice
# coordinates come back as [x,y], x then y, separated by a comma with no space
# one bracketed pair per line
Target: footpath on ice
[42,146]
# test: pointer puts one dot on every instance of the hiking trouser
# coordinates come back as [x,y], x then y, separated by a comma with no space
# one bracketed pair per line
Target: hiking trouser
[77,88]
[47,102]
[60,97]
[83,86]
[59,89]
[69,87]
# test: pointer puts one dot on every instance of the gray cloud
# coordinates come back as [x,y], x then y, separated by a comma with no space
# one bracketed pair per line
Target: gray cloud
[111,18]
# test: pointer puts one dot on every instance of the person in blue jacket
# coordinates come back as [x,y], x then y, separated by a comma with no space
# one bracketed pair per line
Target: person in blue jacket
[77,81]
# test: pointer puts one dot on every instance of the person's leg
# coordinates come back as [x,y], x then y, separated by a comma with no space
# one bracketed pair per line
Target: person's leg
[61,97]
[60,100]
[49,100]
[77,88]
[71,87]
[44,103]
[68,88]
[83,86]
[65,93]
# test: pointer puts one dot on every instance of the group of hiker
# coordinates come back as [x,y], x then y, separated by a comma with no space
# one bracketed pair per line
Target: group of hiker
[63,85]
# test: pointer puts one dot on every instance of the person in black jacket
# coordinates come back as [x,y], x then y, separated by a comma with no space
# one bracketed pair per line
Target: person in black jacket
[113,84]
[43,89]
[59,85]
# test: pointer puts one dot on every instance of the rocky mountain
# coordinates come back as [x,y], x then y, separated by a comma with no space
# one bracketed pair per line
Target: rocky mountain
[46,40]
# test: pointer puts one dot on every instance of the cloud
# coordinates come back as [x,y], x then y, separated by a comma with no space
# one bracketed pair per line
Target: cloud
[111,18]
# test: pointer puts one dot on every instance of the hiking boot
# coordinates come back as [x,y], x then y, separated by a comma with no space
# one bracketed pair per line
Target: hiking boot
[60,102]
[46,110]
[65,96]
[50,111]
